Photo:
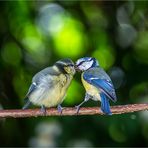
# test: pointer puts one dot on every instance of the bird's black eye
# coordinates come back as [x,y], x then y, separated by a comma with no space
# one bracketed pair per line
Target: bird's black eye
[70,64]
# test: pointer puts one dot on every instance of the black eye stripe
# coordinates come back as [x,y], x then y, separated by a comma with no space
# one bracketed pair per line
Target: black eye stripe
[91,59]
[80,63]
[70,64]
[85,61]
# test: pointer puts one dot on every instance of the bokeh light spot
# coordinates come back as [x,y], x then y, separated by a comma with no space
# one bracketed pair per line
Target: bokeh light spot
[21,79]
[34,45]
[117,133]
[141,47]
[126,35]
[11,54]
[73,94]
[70,41]
[51,18]
[105,56]
[139,90]
[117,75]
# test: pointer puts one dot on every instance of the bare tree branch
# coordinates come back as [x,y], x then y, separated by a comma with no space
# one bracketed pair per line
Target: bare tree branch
[69,111]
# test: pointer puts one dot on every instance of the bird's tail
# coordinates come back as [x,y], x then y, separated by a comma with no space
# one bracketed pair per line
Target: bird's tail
[105,106]
[27,103]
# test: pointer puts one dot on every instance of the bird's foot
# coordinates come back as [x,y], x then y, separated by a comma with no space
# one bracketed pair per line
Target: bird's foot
[77,109]
[60,109]
[43,109]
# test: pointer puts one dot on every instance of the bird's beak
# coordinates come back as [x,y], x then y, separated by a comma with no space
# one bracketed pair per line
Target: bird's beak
[76,68]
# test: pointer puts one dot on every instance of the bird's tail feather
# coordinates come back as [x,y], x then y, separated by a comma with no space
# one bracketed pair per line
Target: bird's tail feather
[105,106]
[27,103]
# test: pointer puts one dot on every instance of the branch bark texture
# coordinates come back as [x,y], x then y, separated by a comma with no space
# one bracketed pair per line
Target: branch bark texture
[71,111]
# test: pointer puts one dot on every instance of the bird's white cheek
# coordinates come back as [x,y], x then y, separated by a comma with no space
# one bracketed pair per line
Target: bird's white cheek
[85,65]
[81,67]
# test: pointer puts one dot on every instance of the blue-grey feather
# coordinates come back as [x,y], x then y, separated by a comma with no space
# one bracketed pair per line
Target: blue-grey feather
[105,87]
[99,78]
[43,73]
[31,89]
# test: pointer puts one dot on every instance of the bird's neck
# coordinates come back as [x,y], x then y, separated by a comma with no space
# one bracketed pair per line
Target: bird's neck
[95,64]
[93,67]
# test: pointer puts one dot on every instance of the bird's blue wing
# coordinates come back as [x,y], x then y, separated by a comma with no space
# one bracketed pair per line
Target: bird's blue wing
[105,85]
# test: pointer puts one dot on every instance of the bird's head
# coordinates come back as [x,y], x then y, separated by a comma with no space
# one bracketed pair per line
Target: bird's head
[86,63]
[66,66]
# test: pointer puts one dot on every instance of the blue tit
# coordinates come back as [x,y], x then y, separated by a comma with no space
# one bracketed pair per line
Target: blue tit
[96,82]
[49,86]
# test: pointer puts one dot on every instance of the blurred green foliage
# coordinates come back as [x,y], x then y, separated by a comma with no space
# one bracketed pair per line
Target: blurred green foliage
[34,34]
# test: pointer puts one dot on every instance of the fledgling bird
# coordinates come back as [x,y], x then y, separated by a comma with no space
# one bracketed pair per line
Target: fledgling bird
[49,86]
[97,83]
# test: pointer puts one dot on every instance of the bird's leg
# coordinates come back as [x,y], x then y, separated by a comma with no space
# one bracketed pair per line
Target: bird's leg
[60,109]
[87,97]
[78,106]
[43,109]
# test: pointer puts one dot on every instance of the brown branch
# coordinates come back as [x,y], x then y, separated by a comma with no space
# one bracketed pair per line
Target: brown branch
[69,111]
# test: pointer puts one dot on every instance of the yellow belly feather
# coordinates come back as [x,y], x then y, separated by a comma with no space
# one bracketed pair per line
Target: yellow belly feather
[55,95]
[90,89]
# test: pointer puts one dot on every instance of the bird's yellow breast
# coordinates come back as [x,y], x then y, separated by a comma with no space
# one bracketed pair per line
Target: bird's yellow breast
[90,89]
[54,95]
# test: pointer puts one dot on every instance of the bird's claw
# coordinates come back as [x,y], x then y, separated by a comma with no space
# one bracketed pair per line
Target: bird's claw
[60,109]
[77,109]
[43,109]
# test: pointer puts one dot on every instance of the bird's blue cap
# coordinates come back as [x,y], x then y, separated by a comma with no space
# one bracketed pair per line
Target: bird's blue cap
[86,63]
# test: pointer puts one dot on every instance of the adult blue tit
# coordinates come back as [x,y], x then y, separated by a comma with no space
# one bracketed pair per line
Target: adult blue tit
[49,86]
[97,83]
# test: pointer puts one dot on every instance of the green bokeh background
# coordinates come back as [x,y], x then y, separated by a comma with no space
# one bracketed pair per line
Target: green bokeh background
[34,34]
